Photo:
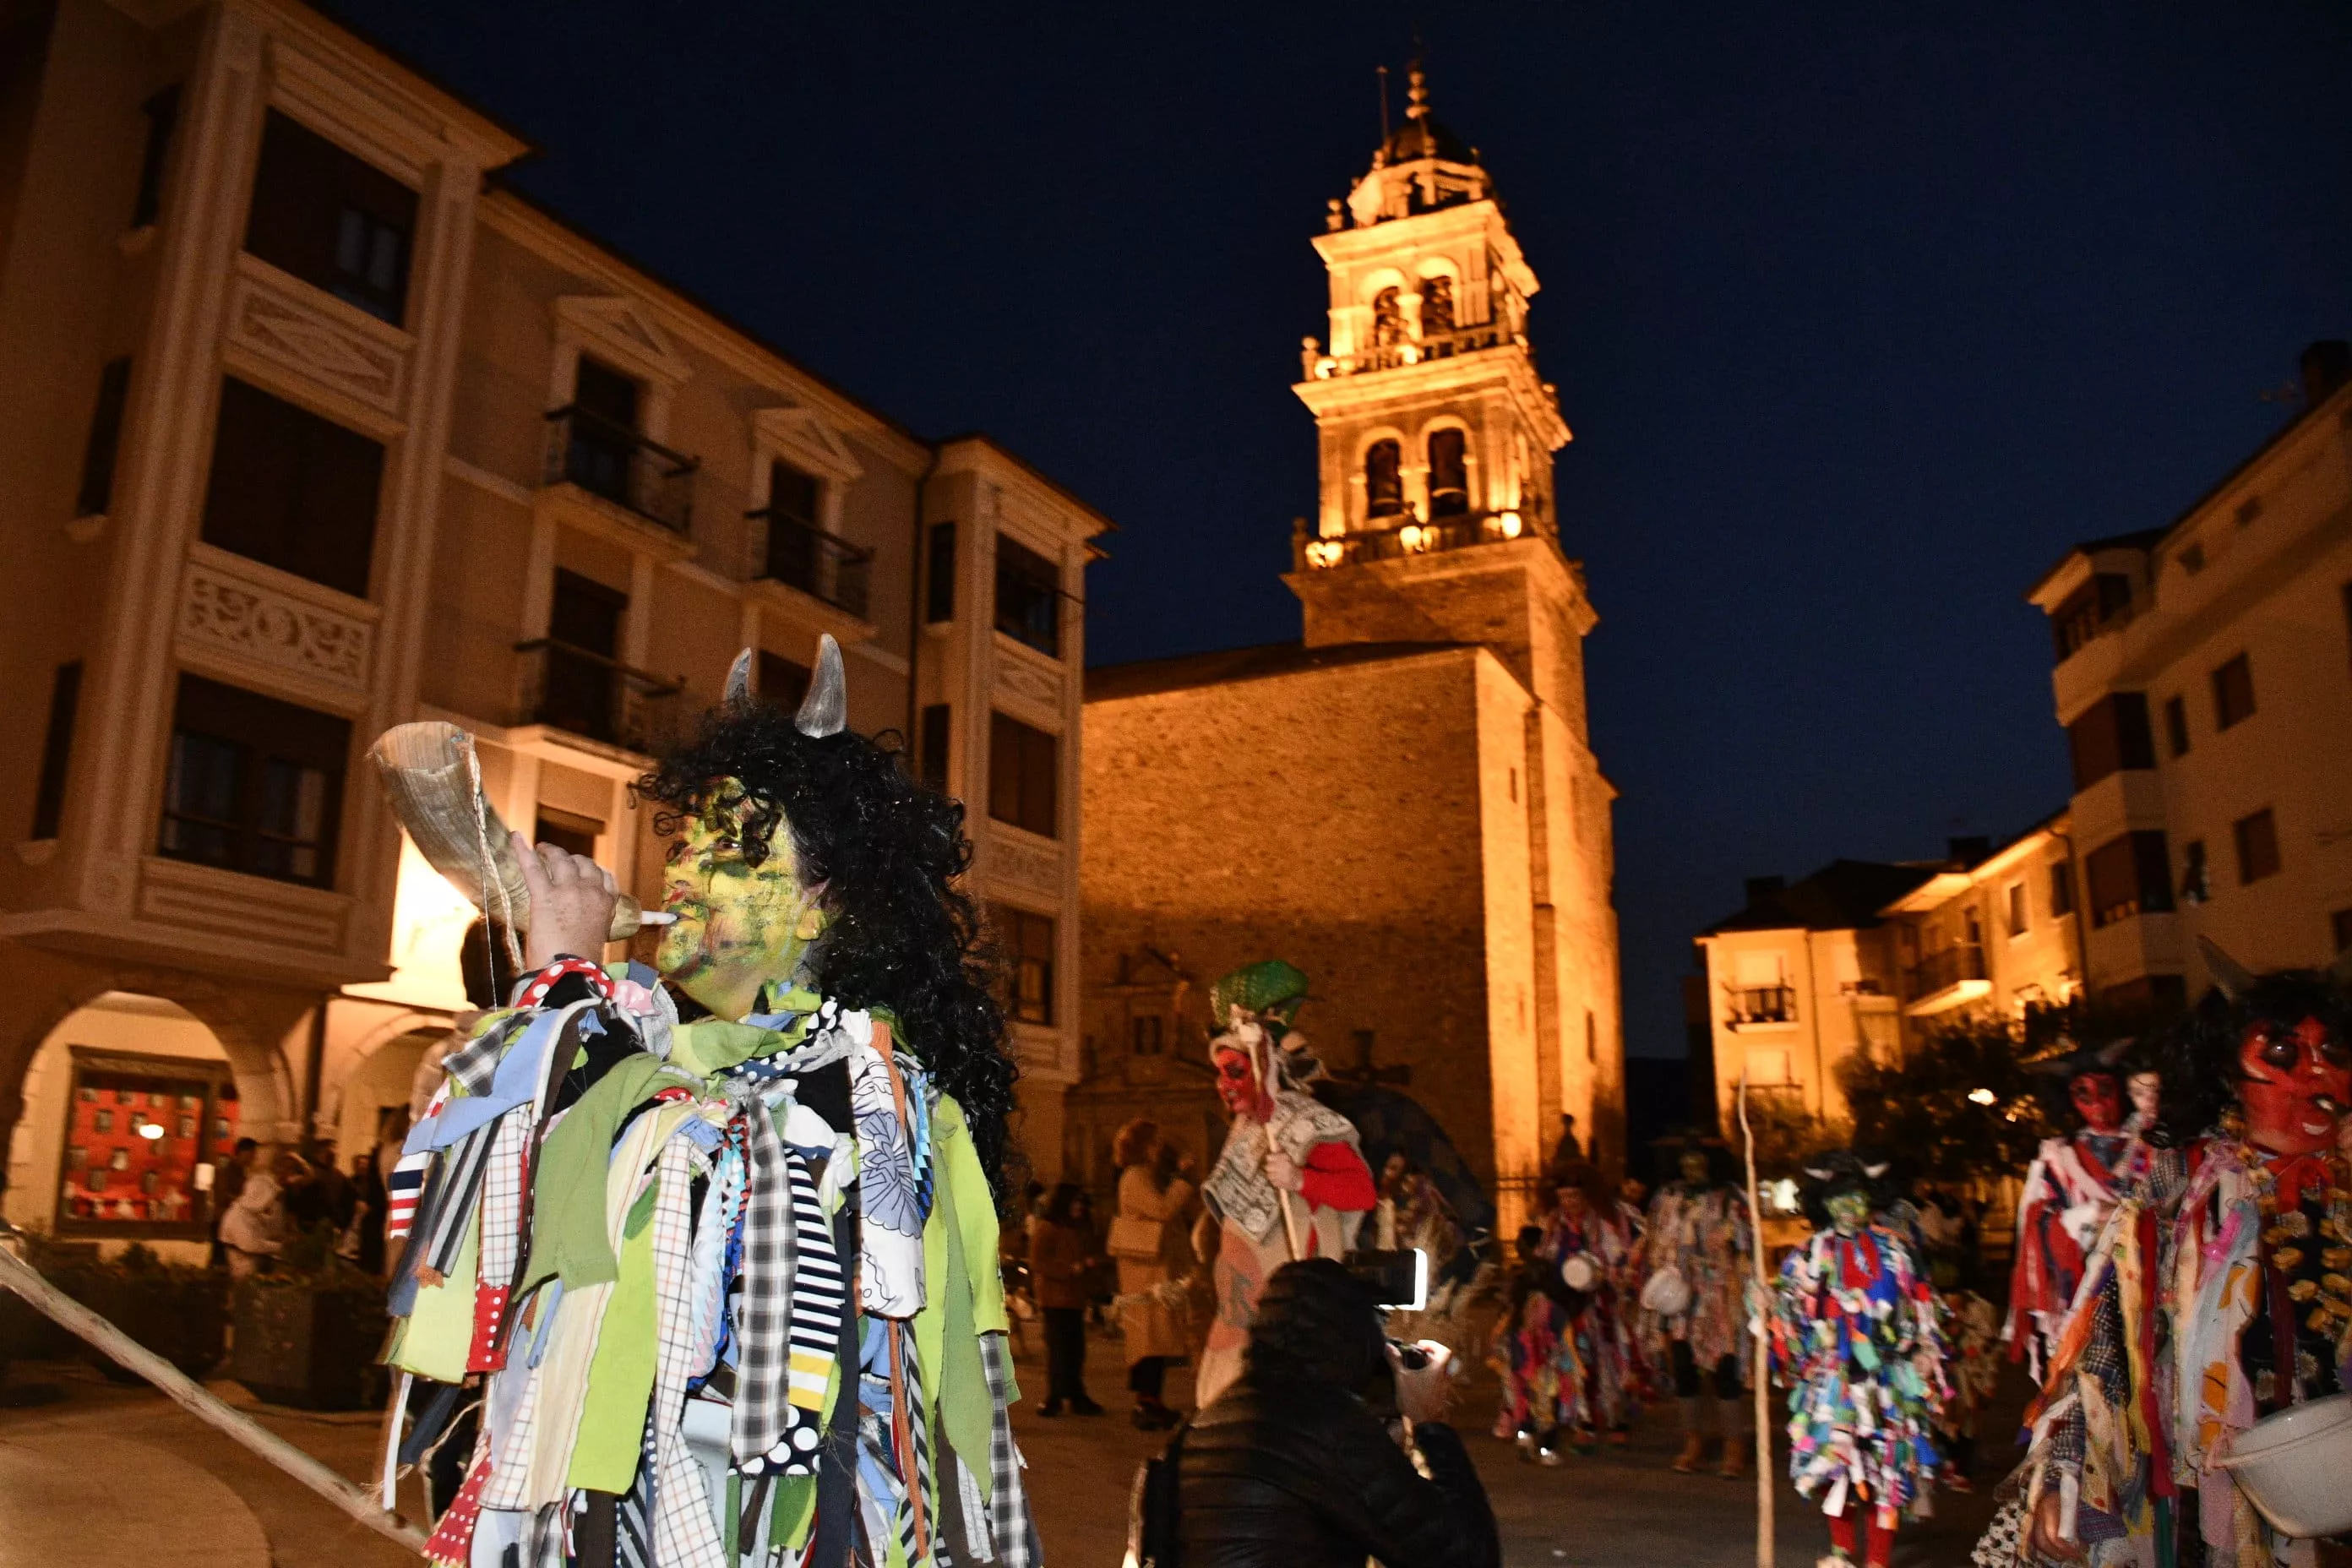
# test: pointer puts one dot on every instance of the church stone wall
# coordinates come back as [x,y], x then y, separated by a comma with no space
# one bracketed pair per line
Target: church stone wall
[1332,817]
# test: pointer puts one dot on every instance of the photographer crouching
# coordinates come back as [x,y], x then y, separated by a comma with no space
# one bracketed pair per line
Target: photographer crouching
[1295,1466]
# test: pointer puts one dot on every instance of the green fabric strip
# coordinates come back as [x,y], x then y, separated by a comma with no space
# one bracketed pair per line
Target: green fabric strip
[568,1229]
[621,1377]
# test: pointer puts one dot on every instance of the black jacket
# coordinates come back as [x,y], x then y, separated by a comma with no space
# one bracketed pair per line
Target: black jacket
[1293,1473]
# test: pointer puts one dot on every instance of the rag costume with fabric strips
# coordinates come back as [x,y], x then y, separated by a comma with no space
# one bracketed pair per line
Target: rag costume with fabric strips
[2071,1186]
[1856,1338]
[1695,1250]
[728,1288]
[2217,1294]
[1291,1180]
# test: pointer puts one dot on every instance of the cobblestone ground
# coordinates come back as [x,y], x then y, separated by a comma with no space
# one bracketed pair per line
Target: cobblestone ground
[1618,1509]
[1625,1509]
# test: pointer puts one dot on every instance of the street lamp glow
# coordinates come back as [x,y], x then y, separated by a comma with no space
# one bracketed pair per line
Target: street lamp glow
[1984,1097]
[150,1130]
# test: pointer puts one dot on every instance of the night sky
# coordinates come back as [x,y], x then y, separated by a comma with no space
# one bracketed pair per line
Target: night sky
[1861,316]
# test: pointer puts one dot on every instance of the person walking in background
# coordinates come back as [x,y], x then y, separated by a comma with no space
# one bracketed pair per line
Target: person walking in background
[367,1220]
[1061,1257]
[1148,1241]
[253,1229]
[1569,1150]
[229,1185]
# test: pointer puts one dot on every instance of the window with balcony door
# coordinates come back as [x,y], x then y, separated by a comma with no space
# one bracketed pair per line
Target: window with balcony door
[1449,473]
[2088,611]
[1028,597]
[1384,480]
[800,552]
[1023,776]
[2176,726]
[2233,693]
[331,219]
[2258,846]
[604,431]
[1761,992]
[579,688]
[2111,736]
[292,491]
[254,784]
[2062,889]
[783,683]
[1025,940]
[2129,875]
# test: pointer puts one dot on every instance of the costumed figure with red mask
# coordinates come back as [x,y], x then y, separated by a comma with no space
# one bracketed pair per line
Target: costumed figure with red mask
[2071,1188]
[2218,1297]
[1856,1338]
[1291,1181]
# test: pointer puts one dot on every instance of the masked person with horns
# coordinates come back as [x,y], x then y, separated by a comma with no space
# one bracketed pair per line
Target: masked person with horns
[2071,1188]
[1855,1336]
[1291,1181]
[730,1285]
[2219,1295]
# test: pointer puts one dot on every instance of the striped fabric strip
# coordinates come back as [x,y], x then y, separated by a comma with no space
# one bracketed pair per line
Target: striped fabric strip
[763,1306]
[819,1293]
[633,1531]
[402,1191]
[684,1530]
[911,1414]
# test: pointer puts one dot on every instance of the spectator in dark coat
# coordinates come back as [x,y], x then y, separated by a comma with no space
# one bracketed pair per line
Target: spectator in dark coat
[1293,1466]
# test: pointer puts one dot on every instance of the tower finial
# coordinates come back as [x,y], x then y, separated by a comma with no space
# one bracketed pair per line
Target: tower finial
[1416,90]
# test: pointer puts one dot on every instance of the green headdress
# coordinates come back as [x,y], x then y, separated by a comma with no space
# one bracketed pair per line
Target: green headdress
[1270,989]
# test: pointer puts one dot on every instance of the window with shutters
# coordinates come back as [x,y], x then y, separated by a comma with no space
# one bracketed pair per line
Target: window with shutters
[331,219]
[1028,597]
[1025,940]
[2258,846]
[96,494]
[2129,875]
[2233,693]
[1023,776]
[254,784]
[292,491]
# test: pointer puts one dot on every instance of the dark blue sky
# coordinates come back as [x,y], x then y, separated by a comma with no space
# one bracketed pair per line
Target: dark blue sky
[1861,315]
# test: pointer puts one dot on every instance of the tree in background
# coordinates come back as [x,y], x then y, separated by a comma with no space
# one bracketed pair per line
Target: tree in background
[1961,1105]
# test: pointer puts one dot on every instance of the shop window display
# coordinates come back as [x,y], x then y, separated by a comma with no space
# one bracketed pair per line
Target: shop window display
[134,1162]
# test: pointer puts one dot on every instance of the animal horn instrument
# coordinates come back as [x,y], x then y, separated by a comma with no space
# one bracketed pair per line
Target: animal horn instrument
[428,776]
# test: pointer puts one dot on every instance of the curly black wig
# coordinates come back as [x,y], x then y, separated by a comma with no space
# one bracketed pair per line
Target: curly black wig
[2118,1055]
[1844,1171]
[2199,1060]
[903,937]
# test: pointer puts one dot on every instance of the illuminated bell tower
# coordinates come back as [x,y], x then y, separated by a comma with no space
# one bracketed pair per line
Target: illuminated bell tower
[1435,432]
[1438,525]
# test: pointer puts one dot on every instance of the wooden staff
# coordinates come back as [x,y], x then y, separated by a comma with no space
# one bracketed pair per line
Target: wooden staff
[1263,1066]
[1762,1374]
[357,1501]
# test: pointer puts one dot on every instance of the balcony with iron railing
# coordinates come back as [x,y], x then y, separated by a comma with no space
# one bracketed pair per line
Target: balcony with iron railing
[1943,971]
[1762,1004]
[615,463]
[596,696]
[802,556]
[1402,534]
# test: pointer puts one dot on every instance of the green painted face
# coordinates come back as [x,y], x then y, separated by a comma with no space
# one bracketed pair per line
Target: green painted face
[1694,1167]
[1849,1212]
[737,924]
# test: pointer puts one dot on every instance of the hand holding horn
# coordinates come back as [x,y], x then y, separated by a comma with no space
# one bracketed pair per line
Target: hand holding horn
[431,780]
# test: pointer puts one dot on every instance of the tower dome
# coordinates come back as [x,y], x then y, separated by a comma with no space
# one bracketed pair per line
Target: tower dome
[1419,167]
[1421,135]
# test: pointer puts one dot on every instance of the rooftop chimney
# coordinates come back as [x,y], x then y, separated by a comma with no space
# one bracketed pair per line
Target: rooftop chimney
[2326,365]
[1762,888]
[1968,851]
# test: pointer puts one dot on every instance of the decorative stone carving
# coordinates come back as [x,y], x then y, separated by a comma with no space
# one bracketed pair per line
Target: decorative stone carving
[270,317]
[1017,679]
[276,627]
[1022,865]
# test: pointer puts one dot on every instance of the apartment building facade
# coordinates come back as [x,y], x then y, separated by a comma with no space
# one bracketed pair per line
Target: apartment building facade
[1865,959]
[313,426]
[2203,673]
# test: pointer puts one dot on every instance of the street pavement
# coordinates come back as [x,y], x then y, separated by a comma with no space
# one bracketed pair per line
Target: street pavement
[108,1476]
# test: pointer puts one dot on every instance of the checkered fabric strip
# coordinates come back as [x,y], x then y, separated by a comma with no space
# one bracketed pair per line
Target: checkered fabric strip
[684,1530]
[763,1306]
[473,1064]
[504,1175]
[510,1476]
[819,1294]
[1008,1502]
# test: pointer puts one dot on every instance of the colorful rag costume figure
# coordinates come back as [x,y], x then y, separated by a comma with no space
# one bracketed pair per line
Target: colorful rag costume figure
[1698,1233]
[2218,1293]
[729,1288]
[1855,1337]
[1291,1179]
[2071,1186]
[1571,1369]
